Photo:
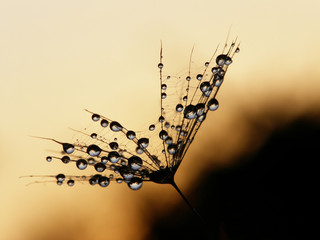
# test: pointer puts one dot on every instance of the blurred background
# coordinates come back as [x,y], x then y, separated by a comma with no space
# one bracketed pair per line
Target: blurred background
[251,170]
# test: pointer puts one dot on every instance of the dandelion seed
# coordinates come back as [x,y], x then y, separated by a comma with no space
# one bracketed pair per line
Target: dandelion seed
[155,155]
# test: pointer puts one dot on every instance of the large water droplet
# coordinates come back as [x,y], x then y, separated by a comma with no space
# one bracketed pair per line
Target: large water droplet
[103,181]
[65,159]
[68,148]
[213,104]
[190,112]
[200,108]
[223,59]
[163,134]
[204,86]
[81,164]
[95,117]
[115,126]
[114,145]
[60,177]
[114,156]
[143,142]
[179,107]
[70,183]
[135,183]
[152,127]
[172,148]
[135,162]
[131,135]
[49,159]
[100,167]
[104,123]
[93,150]
[199,77]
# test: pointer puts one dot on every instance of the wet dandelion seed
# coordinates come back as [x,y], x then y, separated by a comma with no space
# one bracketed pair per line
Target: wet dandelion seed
[136,158]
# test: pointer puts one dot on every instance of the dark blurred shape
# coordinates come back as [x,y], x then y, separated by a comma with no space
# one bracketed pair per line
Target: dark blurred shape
[270,195]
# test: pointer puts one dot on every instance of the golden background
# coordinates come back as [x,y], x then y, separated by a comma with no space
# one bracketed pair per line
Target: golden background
[59,57]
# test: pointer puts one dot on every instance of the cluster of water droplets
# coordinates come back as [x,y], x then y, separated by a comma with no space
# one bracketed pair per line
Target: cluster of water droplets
[115,153]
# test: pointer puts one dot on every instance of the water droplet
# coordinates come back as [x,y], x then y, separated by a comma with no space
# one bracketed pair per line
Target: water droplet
[178,128]
[143,142]
[172,148]
[179,108]
[205,86]
[199,77]
[104,159]
[93,135]
[228,61]
[100,167]
[81,164]
[206,64]
[126,172]
[115,126]
[213,104]
[188,78]
[218,81]
[59,183]
[222,73]
[190,112]
[135,162]
[163,86]
[94,179]
[93,150]
[135,183]
[161,119]
[163,134]
[168,140]
[65,159]
[91,161]
[208,92]
[168,77]
[237,50]
[167,125]
[60,177]
[119,180]
[185,98]
[139,150]
[70,183]
[202,117]
[49,159]
[114,156]
[160,65]
[214,70]
[200,108]
[68,148]
[114,145]
[95,117]
[163,95]
[103,181]
[104,123]
[131,135]
[152,127]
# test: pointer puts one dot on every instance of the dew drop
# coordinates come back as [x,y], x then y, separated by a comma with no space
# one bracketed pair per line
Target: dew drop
[221,59]
[65,159]
[199,77]
[49,159]
[206,64]
[143,142]
[135,162]
[104,123]
[104,159]
[59,183]
[103,181]
[228,61]
[179,108]
[115,126]
[94,179]
[202,117]
[114,145]
[163,95]
[160,65]
[60,177]
[168,140]
[95,117]
[172,148]
[81,164]
[70,183]
[200,108]
[185,98]
[213,104]
[163,134]
[114,156]
[126,173]
[152,127]
[161,119]
[163,86]
[100,167]
[139,150]
[131,135]
[68,148]
[190,112]
[91,161]
[93,150]
[93,135]
[188,78]
[167,125]
[119,180]
[214,70]
[135,183]
[205,86]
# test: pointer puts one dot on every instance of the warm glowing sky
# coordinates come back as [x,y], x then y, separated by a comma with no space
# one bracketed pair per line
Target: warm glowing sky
[59,57]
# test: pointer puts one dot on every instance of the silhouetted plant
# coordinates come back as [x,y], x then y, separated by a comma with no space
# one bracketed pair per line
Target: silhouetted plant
[123,155]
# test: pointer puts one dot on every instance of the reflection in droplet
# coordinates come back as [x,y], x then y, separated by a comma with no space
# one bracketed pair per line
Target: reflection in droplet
[95,117]
[94,179]
[93,150]
[81,164]
[213,104]
[100,167]
[139,150]
[131,135]
[135,162]
[204,86]
[143,142]
[115,126]
[200,108]
[163,86]
[104,123]
[65,159]
[68,148]
[114,145]
[160,65]
[152,127]
[163,134]
[161,119]
[199,77]
[190,112]
[179,107]
[114,156]
[135,183]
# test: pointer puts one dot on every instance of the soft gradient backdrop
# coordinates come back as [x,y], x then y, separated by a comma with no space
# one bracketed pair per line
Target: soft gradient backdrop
[59,57]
